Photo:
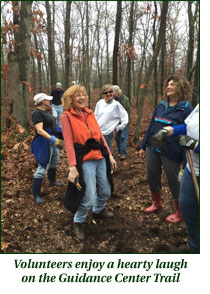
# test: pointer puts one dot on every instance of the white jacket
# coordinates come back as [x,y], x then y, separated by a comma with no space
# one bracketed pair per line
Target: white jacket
[110,116]
[192,122]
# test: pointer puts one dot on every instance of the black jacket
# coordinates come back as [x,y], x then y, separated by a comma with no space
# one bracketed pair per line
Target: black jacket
[73,196]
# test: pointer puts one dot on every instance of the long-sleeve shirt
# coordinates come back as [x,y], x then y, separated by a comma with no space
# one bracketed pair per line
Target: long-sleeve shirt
[110,116]
[57,95]
[68,135]
[163,116]
[125,102]
[191,128]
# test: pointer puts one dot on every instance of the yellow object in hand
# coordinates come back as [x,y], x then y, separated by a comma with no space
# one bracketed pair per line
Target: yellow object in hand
[59,143]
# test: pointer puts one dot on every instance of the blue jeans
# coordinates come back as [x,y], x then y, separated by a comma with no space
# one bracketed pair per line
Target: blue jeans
[57,110]
[53,162]
[122,140]
[188,203]
[108,139]
[94,173]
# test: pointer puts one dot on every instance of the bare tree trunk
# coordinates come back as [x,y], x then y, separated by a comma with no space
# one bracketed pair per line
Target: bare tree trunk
[116,42]
[192,19]
[196,80]
[51,47]
[150,69]
[45,70]
[130,46]
[13,59]
[82,52]
[39,64]
[107,47]
[162,66]
[98,48]
[15,90]
[87,55]
[24,61]
[139,82]
[19,64]
[16,21]
[155,63]
[33,74]
[67,45]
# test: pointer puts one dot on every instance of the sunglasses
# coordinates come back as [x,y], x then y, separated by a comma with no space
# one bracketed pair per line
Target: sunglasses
[108,92]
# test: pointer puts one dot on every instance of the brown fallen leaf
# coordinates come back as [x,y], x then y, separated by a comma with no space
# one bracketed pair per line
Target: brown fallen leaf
[4,246]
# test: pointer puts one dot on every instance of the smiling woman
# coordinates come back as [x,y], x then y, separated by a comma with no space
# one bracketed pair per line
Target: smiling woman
[76,97]
[172,111]
[89,157]
[110,114]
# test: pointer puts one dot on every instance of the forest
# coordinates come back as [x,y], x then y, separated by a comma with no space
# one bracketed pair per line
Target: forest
[133,44]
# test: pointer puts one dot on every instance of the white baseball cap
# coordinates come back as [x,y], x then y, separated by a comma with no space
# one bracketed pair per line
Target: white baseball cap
[58,85]
[41,96]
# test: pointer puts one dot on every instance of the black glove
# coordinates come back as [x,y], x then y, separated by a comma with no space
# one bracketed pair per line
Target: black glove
[187,142]
[158,140]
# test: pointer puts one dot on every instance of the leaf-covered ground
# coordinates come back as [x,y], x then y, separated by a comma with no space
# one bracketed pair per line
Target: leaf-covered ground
[47,228]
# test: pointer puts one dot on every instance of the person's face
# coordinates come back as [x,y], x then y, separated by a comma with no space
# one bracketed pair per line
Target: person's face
[47,104]
[116,94]
[58,89]
[171,89]
[108,94]
[79,101]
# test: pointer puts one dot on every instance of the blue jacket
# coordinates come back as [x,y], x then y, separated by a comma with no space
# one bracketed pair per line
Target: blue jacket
[41,149]
[163,117]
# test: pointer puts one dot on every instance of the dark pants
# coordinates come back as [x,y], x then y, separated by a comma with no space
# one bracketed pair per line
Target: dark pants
[190,210]
[155,161]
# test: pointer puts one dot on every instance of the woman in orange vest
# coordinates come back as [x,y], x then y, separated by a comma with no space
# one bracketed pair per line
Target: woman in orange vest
[89,157]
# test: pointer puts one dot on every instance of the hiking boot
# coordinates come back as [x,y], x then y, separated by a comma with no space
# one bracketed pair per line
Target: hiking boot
[122,157]
[156,203]
[175,217]
[104,214]
[52,178]
[78,229]
[36,188]
[55,184]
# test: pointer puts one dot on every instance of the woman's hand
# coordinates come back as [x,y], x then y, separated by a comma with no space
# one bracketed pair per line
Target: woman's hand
[113,162]
[73,173]
[170,130]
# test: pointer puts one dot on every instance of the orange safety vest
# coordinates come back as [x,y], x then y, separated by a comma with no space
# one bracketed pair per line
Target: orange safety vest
[84,129]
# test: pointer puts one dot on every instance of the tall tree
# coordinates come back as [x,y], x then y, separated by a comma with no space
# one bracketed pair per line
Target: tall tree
[13,59]
[38,62]
[51,47]
[155,62]
[19,63]
[130,48]
[67,45]
[106,27]
[87,61]
[116,43]
[148,73]
[196,79]
[192,19]
[162,65]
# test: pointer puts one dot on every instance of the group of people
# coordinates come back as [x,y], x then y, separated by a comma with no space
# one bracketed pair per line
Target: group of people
[88,139]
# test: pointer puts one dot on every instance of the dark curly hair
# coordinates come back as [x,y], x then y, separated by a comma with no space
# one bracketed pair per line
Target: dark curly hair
[183,87]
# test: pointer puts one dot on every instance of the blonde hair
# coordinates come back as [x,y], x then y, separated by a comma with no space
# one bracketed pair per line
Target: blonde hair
[70,94]
[116,88]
